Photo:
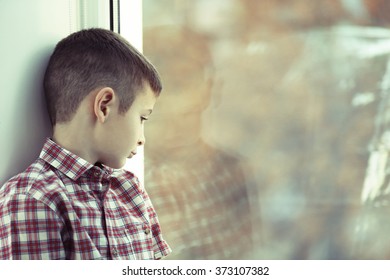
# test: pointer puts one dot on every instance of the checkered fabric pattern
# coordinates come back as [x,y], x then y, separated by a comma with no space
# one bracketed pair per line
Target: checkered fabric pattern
[62,207]
[203,199]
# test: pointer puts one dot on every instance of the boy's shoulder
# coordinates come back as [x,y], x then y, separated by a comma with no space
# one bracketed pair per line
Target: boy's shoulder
[38,180]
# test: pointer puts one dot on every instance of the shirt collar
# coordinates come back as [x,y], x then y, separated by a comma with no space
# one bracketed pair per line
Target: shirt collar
[63,160]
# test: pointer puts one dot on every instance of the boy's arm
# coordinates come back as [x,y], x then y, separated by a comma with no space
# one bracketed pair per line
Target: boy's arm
[160,246]
[29,229]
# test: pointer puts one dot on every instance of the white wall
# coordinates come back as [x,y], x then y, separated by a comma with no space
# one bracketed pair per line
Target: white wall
[29,30]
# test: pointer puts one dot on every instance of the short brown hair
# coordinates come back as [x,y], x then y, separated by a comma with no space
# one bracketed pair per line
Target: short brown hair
[90,59]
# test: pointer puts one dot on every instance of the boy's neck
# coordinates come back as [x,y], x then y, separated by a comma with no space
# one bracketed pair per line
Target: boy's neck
[75,139]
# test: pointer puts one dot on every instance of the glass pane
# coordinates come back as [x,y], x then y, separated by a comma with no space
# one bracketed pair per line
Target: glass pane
[270,139]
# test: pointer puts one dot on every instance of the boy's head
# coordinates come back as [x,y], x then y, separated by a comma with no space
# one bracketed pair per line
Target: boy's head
[184,61]
[99,90]
[92,59]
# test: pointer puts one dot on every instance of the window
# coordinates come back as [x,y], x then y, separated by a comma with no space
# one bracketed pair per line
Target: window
[271,133]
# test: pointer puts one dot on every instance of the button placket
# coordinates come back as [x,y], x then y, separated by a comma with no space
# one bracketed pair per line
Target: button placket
[114,252]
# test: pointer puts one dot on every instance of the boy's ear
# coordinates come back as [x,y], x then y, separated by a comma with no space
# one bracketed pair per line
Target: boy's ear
[104,103]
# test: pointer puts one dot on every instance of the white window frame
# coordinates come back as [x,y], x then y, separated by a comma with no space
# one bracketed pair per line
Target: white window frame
[130,22]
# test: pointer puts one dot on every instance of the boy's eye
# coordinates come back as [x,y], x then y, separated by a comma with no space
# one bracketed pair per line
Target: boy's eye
[143,119]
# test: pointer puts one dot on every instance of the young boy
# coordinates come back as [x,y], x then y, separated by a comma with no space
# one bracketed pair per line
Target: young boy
[74,201]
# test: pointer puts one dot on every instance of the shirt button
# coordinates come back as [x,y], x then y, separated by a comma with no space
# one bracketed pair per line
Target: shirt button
[114,252]
[97,174]
[147,231]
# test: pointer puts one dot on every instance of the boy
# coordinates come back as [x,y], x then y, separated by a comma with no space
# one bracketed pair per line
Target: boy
[74,202]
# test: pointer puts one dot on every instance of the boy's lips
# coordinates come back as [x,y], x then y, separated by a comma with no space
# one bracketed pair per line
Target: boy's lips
[133,154]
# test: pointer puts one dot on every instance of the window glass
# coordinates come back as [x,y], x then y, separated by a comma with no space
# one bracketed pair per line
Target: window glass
[270,139]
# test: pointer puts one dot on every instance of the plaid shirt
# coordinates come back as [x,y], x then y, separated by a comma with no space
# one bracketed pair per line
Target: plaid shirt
[63,207]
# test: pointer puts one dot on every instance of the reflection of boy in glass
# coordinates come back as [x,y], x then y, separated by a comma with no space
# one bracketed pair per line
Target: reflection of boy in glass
[201,190]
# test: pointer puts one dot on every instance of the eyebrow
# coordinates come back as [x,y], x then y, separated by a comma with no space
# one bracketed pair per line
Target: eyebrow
[149,111]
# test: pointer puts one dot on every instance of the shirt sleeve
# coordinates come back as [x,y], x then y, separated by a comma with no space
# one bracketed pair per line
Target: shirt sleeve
[160,246]
[29,230]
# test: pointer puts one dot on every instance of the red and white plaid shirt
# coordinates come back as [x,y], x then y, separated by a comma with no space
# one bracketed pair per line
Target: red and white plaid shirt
[62,207]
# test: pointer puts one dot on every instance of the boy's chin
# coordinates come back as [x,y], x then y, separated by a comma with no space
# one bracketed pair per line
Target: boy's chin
[117,164]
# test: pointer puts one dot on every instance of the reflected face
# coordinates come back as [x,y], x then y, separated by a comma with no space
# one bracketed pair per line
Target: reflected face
[183,60]
[126,131]
[177,119]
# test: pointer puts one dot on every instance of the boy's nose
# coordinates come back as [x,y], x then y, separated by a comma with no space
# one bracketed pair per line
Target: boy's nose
[141,141]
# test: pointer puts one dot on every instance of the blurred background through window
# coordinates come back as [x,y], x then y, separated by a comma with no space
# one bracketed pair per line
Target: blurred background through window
[271,138]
